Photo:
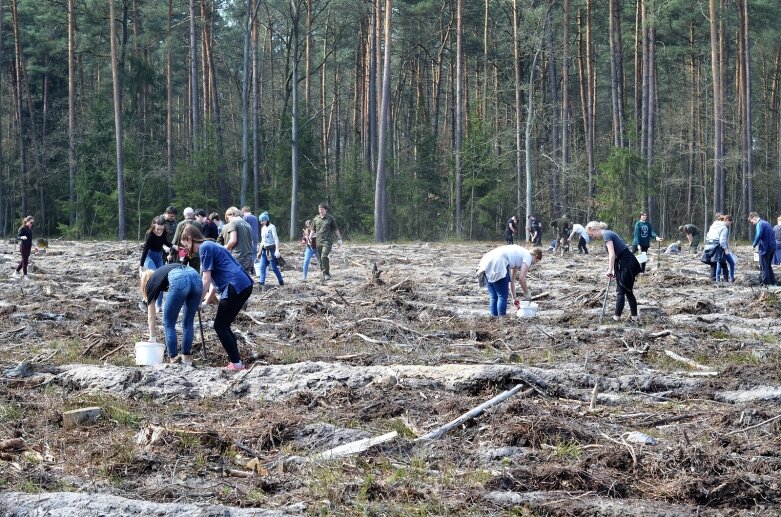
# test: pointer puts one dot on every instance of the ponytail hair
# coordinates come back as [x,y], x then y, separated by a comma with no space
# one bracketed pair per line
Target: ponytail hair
[594,225]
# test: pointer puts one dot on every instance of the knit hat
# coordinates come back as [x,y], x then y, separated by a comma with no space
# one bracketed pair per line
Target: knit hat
[264,216]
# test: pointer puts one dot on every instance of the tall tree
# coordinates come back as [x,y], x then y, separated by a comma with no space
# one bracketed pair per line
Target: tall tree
[71,109]
[195,116]
[18,88]
[718,111]
[169,112]
[458,113]
[116,77]
[380,194]
[294,118]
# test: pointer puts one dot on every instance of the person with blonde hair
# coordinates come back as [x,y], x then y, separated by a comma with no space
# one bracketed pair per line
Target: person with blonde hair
[238,238]
[621,265]
[25,236]
[184,294]
[497,271]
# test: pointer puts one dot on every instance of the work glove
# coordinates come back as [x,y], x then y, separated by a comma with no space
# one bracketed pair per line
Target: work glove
[517,303]
[527,295]
[277,254]
[24,238]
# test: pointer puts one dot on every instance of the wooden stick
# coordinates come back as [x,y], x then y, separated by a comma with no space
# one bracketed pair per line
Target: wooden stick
[540,296]
[754,426]
[474,412]
[355,447]
[684,360]
[109,354]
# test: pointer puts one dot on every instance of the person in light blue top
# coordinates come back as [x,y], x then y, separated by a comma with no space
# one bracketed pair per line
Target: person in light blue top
[269,252]
[219,268]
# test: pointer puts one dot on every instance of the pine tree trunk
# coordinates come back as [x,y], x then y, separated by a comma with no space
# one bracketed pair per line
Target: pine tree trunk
[195,116]
[718,159]
[459,115]
[380,191]
[294,122]
[72,171]
[169,115]
[116,76]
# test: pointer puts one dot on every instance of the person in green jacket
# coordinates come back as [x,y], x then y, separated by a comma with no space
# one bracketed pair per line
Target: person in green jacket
[643,234]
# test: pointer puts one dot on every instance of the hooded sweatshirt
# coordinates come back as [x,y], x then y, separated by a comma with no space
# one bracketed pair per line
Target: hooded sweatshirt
[718,233]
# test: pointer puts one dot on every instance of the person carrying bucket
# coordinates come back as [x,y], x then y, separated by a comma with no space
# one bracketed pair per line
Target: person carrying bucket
[642,236]
[184,294]
[621,265]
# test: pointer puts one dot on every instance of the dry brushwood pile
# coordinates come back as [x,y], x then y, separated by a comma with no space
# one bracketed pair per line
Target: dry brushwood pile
[350,385]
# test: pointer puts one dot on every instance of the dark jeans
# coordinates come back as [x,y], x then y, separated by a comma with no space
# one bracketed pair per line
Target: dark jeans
[625,283]
[766,269]
[227,310]
[25,251]
[644,248]
[582,245]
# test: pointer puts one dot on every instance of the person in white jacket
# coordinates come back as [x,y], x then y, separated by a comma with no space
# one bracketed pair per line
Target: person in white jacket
[269,249]
[497,271]
[577,229]
[717,253]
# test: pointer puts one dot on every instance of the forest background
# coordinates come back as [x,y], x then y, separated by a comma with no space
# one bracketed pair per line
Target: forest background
[423,119]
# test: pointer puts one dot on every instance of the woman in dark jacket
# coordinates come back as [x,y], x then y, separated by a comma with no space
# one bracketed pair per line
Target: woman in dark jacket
[25,235]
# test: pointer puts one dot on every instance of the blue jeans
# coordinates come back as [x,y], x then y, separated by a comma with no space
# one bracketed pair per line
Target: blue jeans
[497,293]
[730,260]
[184,294]
[308,254]
[264,262]
[154,260]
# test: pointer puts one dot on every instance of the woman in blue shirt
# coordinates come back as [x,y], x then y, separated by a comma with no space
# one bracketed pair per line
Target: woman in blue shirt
[220,269]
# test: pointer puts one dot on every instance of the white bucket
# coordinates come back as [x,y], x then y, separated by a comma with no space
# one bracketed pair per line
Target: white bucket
[149,353]
[642,257]
[756,257]
[527,310]
[257,268]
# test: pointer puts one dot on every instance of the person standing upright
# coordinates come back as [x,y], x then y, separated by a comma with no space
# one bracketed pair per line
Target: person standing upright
[510,229]
[765,245]
[253,223]
[777,233]
[169,221]
[325,229]
[269,252]
[25,235]
[643,234]
[238,238]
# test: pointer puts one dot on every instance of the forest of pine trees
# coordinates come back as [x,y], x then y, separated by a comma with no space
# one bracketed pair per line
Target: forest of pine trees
[415,119]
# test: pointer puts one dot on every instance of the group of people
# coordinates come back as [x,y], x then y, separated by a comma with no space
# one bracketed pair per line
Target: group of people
[206,266]
[499,268]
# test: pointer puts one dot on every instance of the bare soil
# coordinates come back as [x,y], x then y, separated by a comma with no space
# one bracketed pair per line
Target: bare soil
[684,419]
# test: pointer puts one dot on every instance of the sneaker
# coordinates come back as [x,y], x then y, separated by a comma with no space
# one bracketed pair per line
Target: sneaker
[26,278]
[186,359]
[326,277]
[235,367]
[616,318]
[634,318]
[142,306]
[175,360]
[15,274]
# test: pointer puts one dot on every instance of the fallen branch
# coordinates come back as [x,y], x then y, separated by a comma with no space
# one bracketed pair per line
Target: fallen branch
[368,339]
[109,354]
[473,413]
[754,426]
[355,447]
[540,296]
[623,442]
[687,361]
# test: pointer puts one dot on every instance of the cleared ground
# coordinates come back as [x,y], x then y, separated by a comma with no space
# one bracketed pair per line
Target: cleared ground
[684,419]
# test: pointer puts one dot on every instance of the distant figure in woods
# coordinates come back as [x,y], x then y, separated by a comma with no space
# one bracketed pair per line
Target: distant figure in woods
[497,271]
[222,272]
[583,238]
[563,227]
[253,223]
[326,230]
[184,285]
[269,252]
[214,217]
[692,235]
[152,254]
[717,253]
[621,265]
[765,245]
[642,236]
[309,240]
[180,255]
[777,233]
[238,238]
[510,229]
[25,236]
[534,228]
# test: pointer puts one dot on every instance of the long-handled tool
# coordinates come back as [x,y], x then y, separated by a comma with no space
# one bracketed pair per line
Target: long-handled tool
[604,302]
[203,341]
[659,255]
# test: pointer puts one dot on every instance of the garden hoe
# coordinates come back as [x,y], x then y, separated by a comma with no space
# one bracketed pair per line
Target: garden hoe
[604,302]
[203,341]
